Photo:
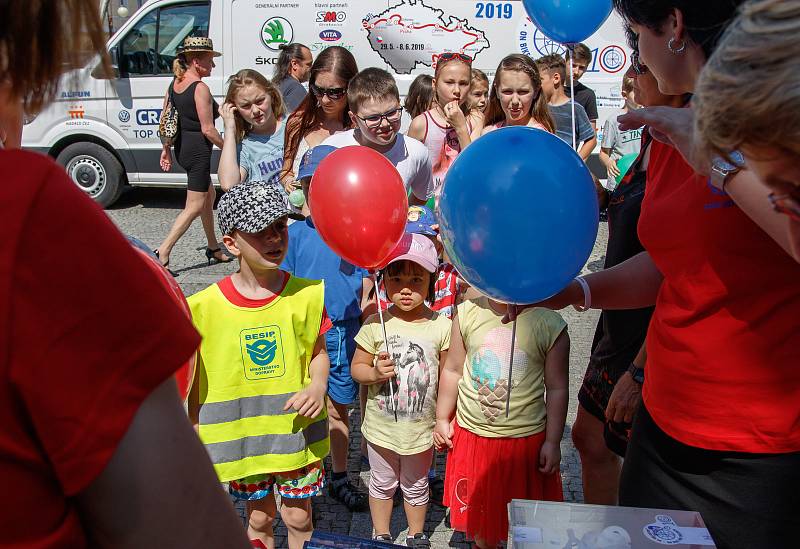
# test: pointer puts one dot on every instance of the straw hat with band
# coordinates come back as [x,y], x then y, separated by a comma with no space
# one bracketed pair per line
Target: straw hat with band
[197,44]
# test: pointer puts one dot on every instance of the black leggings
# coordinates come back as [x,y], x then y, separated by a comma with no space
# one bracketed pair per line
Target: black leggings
[193,151]
[747,501]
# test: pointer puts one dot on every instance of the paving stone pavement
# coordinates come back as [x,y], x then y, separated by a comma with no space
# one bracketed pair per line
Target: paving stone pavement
[148,214]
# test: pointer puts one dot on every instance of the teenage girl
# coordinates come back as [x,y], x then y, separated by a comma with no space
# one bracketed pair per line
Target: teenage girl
[493,456]
[478,91]
[517,98]
[254,130]
[399,431]
[444,128]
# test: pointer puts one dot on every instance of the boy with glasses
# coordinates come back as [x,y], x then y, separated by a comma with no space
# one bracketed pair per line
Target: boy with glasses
[375,111]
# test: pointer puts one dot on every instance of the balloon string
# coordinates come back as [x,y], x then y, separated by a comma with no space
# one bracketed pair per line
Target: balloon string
[571,48]
[385,341]
[511,366]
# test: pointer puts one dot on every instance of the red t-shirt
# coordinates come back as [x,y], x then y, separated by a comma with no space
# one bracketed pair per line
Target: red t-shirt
[235,296]
[87,331]
[723,365]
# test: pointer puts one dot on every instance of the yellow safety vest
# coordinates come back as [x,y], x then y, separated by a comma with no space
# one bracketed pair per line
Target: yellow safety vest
[251,361]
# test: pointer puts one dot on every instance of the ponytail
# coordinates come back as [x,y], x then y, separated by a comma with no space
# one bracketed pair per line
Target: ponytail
[179,67]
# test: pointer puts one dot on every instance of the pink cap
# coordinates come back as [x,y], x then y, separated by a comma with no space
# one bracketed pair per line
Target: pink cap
[417,248]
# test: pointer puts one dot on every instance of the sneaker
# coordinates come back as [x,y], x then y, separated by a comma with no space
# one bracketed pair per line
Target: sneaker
[383,537]
[419,540]
[348,495]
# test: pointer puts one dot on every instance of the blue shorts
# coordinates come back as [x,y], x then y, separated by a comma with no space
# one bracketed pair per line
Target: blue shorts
[341,345]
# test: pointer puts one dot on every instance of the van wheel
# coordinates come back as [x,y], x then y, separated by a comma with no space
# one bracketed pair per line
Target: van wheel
[94,170]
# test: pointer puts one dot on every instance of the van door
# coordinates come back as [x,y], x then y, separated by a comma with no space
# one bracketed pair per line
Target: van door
[145,53]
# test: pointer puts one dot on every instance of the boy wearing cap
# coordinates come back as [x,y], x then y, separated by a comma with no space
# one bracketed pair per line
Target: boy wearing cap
[399,430]
[346,291]
[262,369]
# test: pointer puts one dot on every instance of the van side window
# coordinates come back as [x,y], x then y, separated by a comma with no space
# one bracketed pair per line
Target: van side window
[149,48]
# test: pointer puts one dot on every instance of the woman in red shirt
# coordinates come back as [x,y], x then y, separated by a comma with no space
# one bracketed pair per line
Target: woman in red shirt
[95,447]
[719,428]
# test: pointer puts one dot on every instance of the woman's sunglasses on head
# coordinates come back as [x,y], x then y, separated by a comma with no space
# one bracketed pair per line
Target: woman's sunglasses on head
[451,55]
[332,93]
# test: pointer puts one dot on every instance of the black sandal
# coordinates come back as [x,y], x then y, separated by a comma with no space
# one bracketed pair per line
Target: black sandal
[348,495]
[165,265]
[211,254]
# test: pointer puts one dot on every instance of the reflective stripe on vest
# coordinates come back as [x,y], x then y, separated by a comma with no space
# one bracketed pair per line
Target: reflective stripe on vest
[263,405]
[235,450]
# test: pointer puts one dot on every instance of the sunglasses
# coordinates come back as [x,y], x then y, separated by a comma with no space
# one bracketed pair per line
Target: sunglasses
[785,204]
[638,68]
[375,120]
[332,93]
[451,55]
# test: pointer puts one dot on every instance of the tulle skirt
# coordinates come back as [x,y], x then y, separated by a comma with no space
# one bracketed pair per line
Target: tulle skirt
[485,474]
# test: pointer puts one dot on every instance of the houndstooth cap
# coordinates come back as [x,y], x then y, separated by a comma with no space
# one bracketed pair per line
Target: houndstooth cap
[253,206]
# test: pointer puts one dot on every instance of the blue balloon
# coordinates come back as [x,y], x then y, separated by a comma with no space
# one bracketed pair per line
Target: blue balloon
[568,21]
[518,214]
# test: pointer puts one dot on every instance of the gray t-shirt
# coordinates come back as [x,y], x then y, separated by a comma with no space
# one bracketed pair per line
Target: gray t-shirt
[261,156]
[293,93]
[562,116]
[620,142]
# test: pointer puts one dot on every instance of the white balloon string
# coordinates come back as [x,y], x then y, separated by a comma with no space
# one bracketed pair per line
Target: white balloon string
[385,342]
[571,48]
[511,366]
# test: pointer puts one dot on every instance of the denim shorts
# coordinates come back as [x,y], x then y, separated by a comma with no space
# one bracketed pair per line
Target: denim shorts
[341,345]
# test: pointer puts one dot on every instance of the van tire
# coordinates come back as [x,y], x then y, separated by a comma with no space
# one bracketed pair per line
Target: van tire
[95,170]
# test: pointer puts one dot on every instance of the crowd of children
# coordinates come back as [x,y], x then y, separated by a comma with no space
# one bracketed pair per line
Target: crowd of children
[292,335]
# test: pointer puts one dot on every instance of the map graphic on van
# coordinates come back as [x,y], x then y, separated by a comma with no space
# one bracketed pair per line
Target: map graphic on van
[412,33]
[276,31]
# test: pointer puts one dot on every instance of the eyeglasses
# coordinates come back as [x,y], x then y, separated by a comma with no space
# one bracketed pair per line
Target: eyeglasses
[375,120]
[637,67]
[333,93]
[785,204]
[450,55]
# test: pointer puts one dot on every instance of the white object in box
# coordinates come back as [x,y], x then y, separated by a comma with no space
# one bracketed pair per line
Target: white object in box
[555,525]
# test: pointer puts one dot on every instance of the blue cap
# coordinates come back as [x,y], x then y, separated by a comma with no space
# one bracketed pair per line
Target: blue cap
[311,160]
[421,221]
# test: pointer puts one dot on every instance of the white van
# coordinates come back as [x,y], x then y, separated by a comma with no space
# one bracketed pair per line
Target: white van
[104,132]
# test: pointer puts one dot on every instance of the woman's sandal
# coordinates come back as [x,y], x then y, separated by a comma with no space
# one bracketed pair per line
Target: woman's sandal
[348,495]
[211,254]
[165,265]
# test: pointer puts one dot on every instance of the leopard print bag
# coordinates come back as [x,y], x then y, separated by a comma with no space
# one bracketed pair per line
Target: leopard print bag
[168,123]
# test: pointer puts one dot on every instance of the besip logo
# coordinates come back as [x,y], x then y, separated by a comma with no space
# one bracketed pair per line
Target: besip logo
[330,35]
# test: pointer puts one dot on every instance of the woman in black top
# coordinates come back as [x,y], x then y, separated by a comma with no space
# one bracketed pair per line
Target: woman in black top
[196,113]
[609,393]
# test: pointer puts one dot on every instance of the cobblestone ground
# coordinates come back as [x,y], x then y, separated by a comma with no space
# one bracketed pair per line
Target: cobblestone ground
[148,214]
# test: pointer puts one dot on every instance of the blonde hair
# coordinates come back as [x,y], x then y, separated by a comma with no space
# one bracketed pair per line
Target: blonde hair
[40,40]
[627,84]
[749,90]
[183,61]
[250,77]
[478,75]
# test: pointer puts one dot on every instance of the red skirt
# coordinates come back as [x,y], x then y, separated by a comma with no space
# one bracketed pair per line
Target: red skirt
[485,474]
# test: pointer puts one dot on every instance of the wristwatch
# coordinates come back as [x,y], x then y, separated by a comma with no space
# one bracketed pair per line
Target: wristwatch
[636,373]
[722,170]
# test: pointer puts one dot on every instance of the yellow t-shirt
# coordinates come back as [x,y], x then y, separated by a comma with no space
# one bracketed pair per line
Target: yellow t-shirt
[415,347]
[483,388]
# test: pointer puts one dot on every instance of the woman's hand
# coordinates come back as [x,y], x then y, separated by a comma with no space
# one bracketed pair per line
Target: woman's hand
[624,400]
[549,458]
[673,126]
[166,159]
[384,368]
[454,115]
[443,435]
[228,113]
[570,295]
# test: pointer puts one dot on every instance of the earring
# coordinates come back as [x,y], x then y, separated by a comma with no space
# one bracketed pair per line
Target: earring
[673,49]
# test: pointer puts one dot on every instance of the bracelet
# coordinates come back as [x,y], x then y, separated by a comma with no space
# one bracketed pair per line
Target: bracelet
[587,295]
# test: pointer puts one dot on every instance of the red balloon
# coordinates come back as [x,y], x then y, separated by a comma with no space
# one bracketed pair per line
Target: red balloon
[185,376]
[359,205]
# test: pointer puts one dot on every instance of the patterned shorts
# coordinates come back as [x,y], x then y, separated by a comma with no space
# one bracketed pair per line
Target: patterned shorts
[302,483]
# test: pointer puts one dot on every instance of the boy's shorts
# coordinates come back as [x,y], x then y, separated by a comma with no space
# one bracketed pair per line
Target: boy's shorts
[305,482]
[341,345]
